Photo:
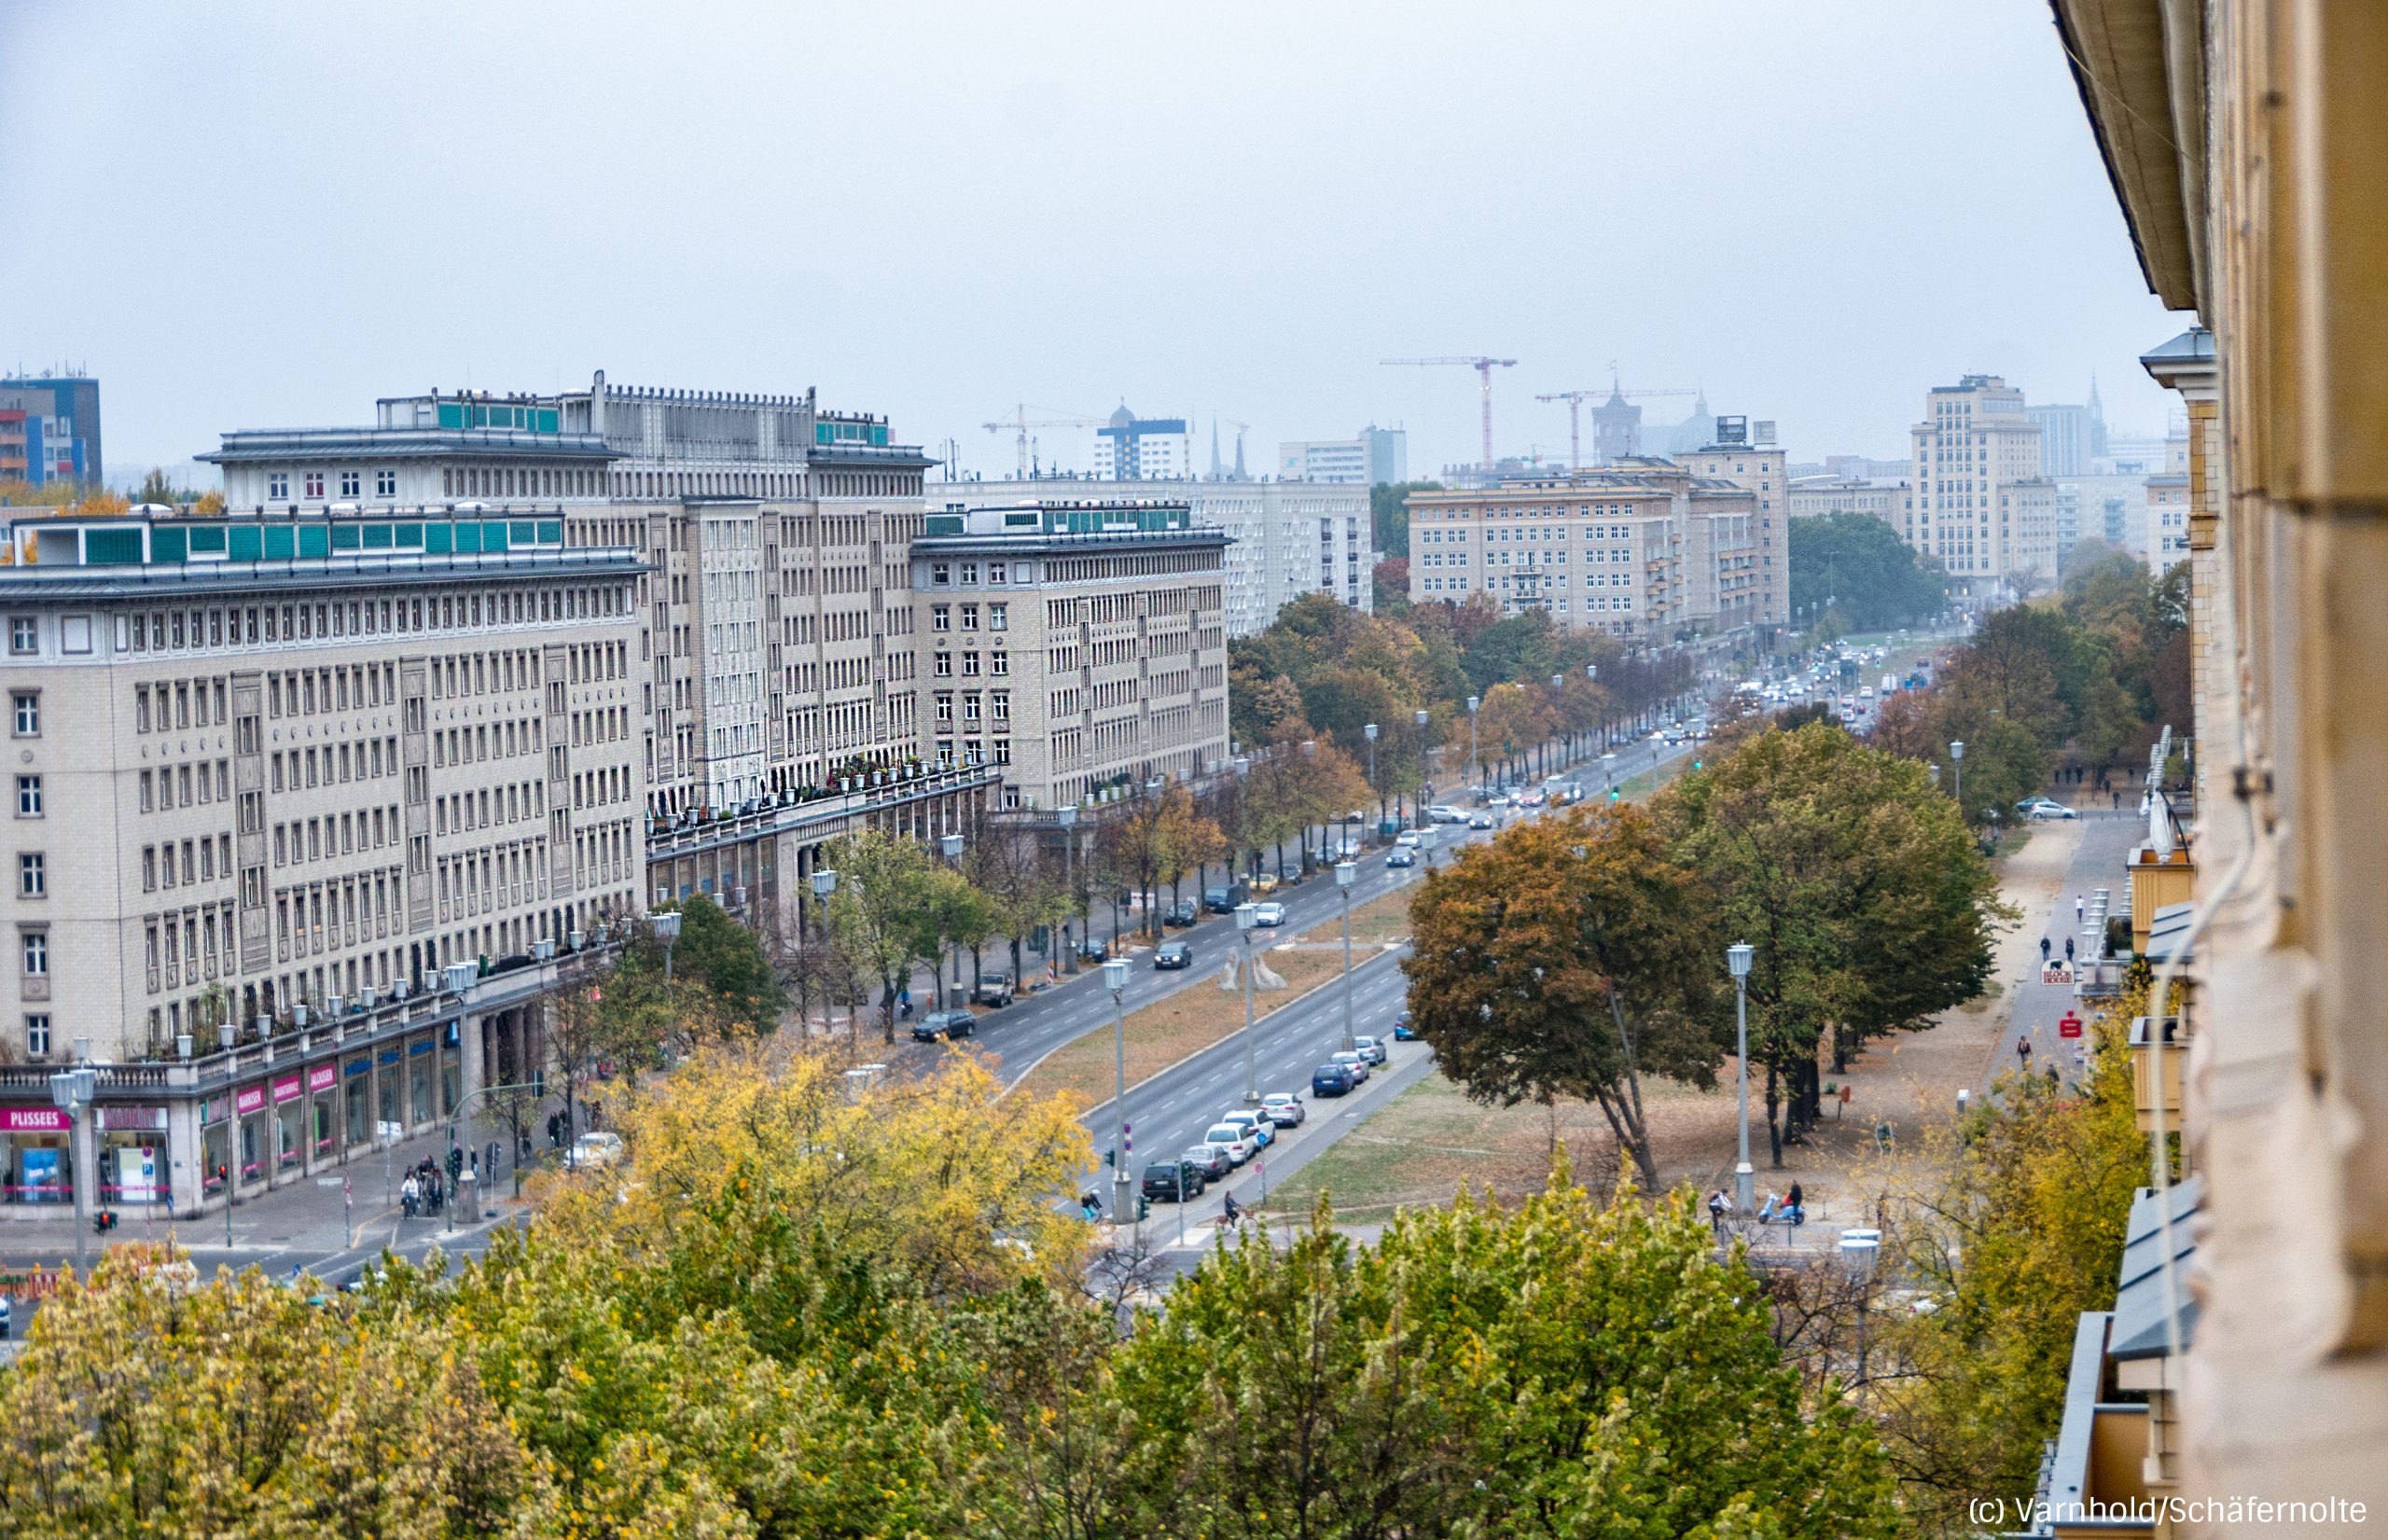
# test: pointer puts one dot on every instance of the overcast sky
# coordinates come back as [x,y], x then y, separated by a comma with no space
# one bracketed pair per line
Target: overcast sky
[250,215]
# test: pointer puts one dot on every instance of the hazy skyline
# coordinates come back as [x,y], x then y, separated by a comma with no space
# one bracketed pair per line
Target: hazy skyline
[254,216]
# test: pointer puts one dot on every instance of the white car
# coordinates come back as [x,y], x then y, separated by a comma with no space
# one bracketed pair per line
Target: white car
[2041,809]
[1408,838]
[1234,1138]
[1359,1062]
[1284,1109]
[1262,1127]
[1268,914]
[594,1149]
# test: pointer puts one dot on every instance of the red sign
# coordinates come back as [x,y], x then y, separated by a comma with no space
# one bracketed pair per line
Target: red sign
[323,1077]
[2069,1025]
[286,1088]
[248,1099]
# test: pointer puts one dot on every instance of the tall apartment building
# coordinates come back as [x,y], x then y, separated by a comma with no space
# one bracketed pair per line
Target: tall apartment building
[778,669]
[1073,645]
[1755,465]
[280,771]
[1644,548]
[59,426]
[1982,508]
[1287,538]
[1130,447]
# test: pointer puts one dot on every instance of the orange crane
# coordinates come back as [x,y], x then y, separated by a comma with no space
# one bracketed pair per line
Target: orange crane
[1483,367]
[1019,421]
[1575,399]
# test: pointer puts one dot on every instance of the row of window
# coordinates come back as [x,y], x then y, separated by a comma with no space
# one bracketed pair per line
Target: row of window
[941,616]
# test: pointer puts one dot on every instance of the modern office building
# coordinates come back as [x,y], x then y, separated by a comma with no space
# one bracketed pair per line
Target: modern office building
[60,428]
[1130,447]
[1983,512]
[275,775]
[1074,646]
[1644,548]
[2072,438]
[1376,455]
[1287,538]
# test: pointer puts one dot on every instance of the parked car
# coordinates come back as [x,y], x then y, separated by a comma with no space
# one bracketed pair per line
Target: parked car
[1265,882]
[1290,873]
[1173,954]
[1403,1031]
[992,990]
[1174,1181]
[1181,913]
[1223,900]
[1210,1159]
[1284,1109]
[1268,914]
[1373,1050]
[592,1150]
[1233,1138]
[1332,1081]
[1359,1062]
[1401,856]
[1262,1130]
[944,1024]
[2051,810]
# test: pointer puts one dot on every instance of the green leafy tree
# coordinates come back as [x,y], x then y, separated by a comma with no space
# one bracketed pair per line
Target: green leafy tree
[894,907]
[1869,904]
[1389,510]
[1567,959]
[726,957]
[1859,562]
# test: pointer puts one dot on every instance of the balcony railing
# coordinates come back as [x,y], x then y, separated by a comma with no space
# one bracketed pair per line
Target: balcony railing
[2158,1048]
[793,811]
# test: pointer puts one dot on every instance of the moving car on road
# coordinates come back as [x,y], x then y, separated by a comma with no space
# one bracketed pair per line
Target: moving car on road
[1284,1109]
[1173,954]
[1442,813]
[1232,1138]
[1400,856]
[1333,1080]
[1223,900]
[1480,821]
[1268,914]
[944,1024]
[1181,913]
[993,990]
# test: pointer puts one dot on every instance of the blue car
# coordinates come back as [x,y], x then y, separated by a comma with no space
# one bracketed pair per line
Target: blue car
[1402,1031]
[1331,1080]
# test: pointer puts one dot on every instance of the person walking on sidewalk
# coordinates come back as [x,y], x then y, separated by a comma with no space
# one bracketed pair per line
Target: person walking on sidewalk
[2080,910]
[2043,951]
[1717,1206]
[2023,1051]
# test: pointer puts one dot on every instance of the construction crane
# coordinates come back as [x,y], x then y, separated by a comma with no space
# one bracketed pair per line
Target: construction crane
[1575,399]
[1483,367]
[1019,423]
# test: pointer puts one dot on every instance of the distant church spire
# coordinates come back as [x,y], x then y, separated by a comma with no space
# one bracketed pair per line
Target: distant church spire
[1217,470]
[1239,456]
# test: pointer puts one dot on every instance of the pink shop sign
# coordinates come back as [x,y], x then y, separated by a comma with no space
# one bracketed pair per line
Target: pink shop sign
[33,1119]
[248,1099]
[322,1077]
[286,1088]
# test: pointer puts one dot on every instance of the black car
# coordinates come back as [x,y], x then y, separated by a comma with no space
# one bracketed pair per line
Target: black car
[1223,900]
[1175,1182]
[1173,954]
[1181,913]
[944,1024]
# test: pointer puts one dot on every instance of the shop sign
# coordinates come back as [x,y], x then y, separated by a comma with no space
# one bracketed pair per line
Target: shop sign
[286,1088]
[33,1120]
[421,1045]
[322,1077]
[142,1119]
[248,1099]
[390,1055]
[358,1066]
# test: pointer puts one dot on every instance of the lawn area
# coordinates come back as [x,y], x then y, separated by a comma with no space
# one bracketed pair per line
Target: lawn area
[1193,1018]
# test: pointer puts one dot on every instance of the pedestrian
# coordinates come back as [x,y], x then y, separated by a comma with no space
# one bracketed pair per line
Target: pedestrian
[1716,1211]
[2118,800]
[2079,910]
[2023,1049]
[410,1194]
[2068,950]
[2043,951]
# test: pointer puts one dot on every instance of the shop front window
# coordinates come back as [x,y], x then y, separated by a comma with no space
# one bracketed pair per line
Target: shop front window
[215,1156]
[40,1166]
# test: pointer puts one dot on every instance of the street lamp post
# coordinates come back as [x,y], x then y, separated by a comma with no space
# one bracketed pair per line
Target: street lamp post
[1247,917]
[1068,819]
[1957,763]
[1472,704]
[1370,732]
[1421,718]
[1557,719]
[1737,959]
[667,930]
[71,1091]
[1344,874]
[1859,1251]
[824,883]
[949,846]
[1123,1201]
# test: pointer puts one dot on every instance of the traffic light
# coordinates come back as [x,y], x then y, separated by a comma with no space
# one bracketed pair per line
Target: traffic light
[1144,1206]
[103,1221]
[1615,795]
[1110,1158]
[455,1163]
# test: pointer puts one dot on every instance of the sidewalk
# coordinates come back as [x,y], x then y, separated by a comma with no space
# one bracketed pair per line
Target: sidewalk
[310,1215]
[2034,1009]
